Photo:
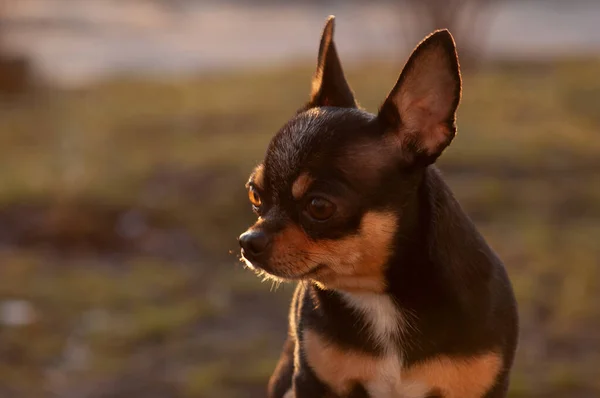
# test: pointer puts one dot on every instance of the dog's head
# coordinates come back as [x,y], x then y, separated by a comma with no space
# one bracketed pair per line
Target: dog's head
[331,190]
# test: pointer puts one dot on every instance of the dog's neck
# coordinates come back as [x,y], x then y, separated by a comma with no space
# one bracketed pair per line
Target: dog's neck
[437,252]
[436,268]
[369,322]
[440,259]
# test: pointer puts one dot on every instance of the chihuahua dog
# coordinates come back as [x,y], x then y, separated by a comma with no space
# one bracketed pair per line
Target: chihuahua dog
[398,294]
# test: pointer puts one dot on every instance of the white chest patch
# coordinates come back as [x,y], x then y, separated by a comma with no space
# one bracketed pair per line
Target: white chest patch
[384,323]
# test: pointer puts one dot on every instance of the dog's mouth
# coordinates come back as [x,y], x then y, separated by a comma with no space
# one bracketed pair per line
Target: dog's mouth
[281,273]
[313,272]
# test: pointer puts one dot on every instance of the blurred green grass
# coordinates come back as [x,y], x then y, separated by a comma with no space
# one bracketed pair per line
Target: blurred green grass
[120,202]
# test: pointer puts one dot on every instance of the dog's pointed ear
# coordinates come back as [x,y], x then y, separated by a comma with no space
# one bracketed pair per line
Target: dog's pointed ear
[329,85]
[421,108]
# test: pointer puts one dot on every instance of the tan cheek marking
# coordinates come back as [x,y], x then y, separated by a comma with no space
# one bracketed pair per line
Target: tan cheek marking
[457,377]
[354,263]
[338,369]
[301,185]
[289,252]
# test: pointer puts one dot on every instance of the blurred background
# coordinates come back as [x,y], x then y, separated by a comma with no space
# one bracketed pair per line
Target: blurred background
[128,129]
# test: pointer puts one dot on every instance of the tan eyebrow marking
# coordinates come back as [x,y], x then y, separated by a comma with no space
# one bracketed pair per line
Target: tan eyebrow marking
[301,185]
[258,176]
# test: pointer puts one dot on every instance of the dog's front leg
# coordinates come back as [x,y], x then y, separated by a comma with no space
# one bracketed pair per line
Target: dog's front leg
[300,383]
[307,385]
[280,383]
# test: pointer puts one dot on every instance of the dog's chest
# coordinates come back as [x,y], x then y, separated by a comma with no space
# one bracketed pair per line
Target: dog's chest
[382,318]
[381,375]
[384,324]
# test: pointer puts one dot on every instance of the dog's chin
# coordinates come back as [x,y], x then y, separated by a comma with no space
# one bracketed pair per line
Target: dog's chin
[280,275]
[263,271]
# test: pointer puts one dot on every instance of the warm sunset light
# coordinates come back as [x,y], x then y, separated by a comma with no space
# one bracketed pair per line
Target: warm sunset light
[153,150]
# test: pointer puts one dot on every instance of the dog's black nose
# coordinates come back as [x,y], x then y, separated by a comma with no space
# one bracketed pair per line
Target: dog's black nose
[254,243]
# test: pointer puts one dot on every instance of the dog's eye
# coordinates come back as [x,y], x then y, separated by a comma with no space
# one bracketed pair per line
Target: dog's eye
[320,209]
[254,197]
